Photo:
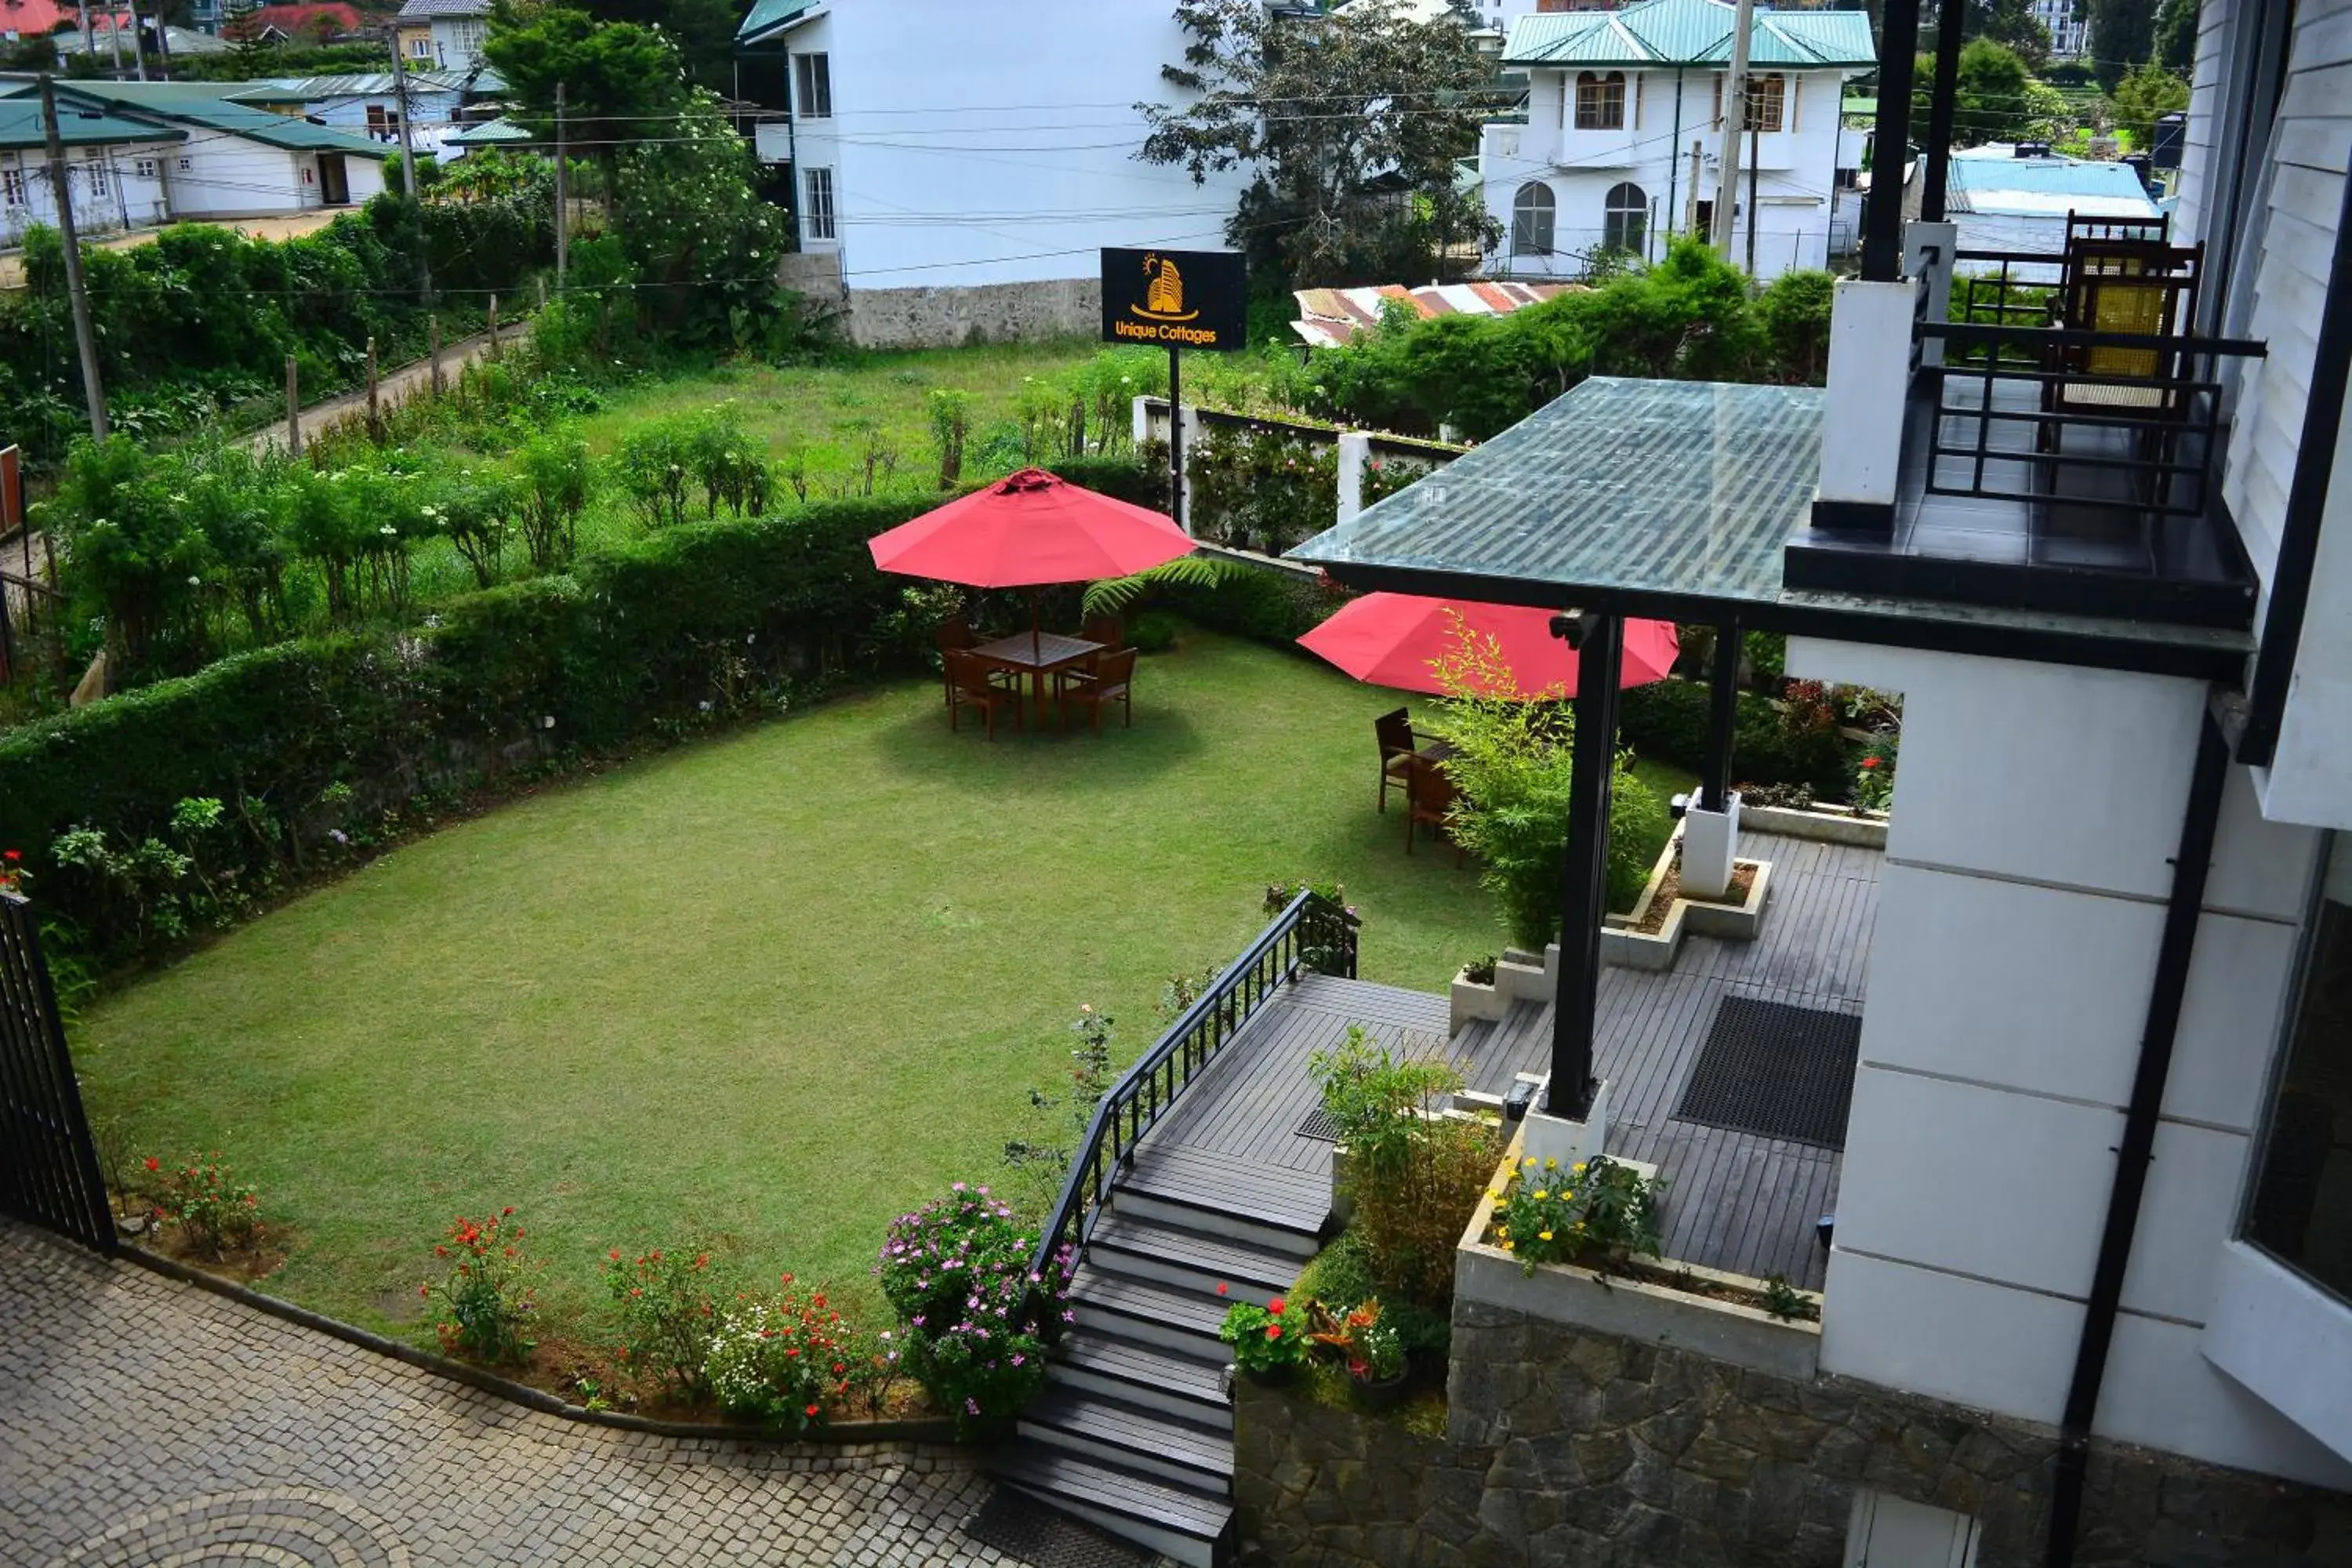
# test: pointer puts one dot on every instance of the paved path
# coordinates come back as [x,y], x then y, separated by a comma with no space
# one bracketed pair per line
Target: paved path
[394,387]
[143,1421]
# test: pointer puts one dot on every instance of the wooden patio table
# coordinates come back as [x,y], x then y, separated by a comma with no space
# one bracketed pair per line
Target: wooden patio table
[1040,654]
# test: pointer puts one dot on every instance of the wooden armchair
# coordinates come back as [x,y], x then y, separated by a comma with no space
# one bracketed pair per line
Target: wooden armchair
[971,685]
[1429,795]
[1107,630]
[1398,743]
[950,637]
[2122,286]
[1106,679]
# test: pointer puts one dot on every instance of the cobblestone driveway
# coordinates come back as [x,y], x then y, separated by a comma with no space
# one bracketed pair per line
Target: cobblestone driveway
[143,1421]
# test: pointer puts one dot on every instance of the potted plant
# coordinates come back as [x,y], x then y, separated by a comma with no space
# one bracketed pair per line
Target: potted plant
[1372,1348]
[1269,1342]
[1598,1214]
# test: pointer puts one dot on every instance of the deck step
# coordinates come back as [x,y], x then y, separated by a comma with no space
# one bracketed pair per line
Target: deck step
[1267,1206]
[1138,1375]
[1188,1259]
[1183,1321]
[1145,1442]
[1190,1526]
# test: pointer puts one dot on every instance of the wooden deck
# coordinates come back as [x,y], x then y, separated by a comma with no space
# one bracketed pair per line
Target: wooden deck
[1734,1200]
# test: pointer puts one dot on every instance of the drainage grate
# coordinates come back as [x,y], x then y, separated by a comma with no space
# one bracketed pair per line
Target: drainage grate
[1318,1125]
[1028,1532]
[1775,1070]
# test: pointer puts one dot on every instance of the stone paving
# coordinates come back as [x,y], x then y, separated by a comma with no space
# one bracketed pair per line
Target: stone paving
[145,1422]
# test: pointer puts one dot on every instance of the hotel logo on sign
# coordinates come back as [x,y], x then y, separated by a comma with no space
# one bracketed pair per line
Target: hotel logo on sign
[1191,300]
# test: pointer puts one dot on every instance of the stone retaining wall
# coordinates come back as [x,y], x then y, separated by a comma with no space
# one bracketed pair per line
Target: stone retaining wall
[1569,1446]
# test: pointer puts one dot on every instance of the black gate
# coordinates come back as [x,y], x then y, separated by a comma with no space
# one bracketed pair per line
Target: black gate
[49,1166]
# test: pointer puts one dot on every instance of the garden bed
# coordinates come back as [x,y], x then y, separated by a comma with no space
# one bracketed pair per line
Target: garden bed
[1650,936]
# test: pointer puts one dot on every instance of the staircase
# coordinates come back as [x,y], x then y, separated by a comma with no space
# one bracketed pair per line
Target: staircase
[1134,1432]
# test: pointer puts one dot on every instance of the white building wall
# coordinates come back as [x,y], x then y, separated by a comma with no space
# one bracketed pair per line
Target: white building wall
[2028,864]
[365,175]
[131,199]
[1797,172]
[968,152]
[457,42]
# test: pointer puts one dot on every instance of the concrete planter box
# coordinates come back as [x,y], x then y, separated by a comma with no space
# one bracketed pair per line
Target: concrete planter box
[1623,942]
[1519,977]
[1829,823]
[1634,1309]
[1471,1002]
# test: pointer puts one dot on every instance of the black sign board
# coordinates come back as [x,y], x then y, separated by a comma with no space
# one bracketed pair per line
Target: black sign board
[1175,299]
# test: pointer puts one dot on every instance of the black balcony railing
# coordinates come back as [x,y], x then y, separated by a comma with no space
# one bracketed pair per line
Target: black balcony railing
[1311,933]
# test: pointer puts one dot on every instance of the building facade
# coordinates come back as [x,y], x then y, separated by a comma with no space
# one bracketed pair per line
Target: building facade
[2068,24]
[1621,146]
[442,35]
[115,167]
[954,175]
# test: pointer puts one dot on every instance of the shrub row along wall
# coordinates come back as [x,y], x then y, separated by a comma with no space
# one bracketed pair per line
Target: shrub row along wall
[1667,719]
[702,619]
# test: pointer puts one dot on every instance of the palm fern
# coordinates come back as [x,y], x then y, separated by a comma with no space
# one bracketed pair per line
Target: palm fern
[1117,595]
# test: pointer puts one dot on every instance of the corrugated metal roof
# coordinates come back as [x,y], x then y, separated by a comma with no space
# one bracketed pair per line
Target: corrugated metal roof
[768,16]
[361,84]
[20,126]
[488,133]
[188,102]
[1689,32]
[1994,181]
[426,10]
[1329,317]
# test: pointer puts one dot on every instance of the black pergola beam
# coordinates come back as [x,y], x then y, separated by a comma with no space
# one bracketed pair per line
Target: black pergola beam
[1722,718]
[1599,644]
[1940,109]
[1881,219]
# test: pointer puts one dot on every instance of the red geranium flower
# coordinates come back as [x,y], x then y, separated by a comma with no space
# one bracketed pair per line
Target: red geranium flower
[1274,1331]
[1870,762]
[1221,1287]
[154,1164]
[1275,1306]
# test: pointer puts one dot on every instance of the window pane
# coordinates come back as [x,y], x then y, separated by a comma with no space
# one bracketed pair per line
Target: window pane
[2302,1208]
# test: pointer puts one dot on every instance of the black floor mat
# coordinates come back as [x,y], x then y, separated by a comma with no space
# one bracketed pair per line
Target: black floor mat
[1319,1125]
[1775,1070]
[1028,1532]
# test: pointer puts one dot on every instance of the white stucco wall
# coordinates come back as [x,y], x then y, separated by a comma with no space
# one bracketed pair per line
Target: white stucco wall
[131,199]
[218,175]
[971,147]
[2036,813]
[1796,174]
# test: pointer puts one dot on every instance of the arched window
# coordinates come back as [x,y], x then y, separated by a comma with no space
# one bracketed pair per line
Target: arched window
[1626,218]
[1531,219]
[1600,101]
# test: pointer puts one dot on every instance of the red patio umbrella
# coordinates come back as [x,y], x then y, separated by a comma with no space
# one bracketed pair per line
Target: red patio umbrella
[1029,531]
[1395,639]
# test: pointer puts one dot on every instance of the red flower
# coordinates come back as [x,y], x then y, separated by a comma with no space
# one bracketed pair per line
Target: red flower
[1870,762]
[1221,1287]
[154,1164]
[13,855]
[616,1254]
[424,1290]
[1275,1306]
[507,1210]
[811,1412]
[1274,1331]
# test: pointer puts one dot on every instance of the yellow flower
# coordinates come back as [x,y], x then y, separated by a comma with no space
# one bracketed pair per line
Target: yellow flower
[1496,1196]
[1568,1197]
[1529,1164]
[1578,1168]
[1543,1236]
[1541,1195]
[1507,1246]
[1551,1164]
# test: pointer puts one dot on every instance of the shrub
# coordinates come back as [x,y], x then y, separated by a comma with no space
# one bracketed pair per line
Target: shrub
[1267,1339]
[1874,779]
[1667,719]
[668,1311]
[216,1212]
[487,1299]
[1602,1209]
[956,1270]
[787,1360]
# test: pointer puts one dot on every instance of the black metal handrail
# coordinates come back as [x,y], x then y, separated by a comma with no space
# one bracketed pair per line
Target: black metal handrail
[1311,933]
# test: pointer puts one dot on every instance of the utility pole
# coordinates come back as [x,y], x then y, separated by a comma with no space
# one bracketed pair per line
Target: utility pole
[139,55]
[93,390]
[1690,216]
[563,198]
[408,169]
[1734,120]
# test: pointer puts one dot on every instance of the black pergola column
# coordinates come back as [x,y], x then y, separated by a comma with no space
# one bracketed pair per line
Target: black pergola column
[1941,107]
[1722,718]
[1599,644]
[1882,217]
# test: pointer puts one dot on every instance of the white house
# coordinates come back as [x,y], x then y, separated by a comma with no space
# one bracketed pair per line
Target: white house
[234,159]
[367,103]
[2068,24]
[1621,142]
[2017,197]
[443,35]
[115,167]
[956,170]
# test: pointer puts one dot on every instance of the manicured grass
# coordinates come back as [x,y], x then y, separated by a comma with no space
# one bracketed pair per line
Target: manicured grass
[779,986]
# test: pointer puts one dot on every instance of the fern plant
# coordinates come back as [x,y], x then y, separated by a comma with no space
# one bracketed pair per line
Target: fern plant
[1117,595]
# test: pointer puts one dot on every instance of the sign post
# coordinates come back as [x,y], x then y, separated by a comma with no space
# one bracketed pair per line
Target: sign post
[1183,298]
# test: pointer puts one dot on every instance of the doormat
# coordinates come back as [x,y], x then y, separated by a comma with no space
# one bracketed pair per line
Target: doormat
[1028,1532]
[1775,1070]
[1319,1126]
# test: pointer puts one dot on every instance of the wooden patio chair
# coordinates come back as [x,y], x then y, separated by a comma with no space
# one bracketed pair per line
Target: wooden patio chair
[1107,630]
[1398,743]
[2122,286]
[1110,679]
[2157,230]
[1429,795]
[972,684]
[950,637]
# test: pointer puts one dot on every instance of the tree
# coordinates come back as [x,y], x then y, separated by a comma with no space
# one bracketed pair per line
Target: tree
[1995,98]
[704,31]
[2176,37]
[2012,23]
[2123,35]
[1350,125]
[621,81]
[2144,95]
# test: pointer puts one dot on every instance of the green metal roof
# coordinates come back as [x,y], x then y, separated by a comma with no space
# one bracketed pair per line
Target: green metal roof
[1689,32]
[488,133]
[20,126]
[769,17]
[188,104]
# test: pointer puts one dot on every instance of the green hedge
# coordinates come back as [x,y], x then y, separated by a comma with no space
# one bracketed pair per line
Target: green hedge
[1667,719]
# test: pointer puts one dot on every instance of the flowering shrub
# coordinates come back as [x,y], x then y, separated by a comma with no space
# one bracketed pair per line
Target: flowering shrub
[487,1299]
[958,1272]
[1874,780]
[1268,1339]
[12,871]
[1369,1340]
[1550,1216]
[786,1360]
[1383,477]
[668,1314]
[217,1212]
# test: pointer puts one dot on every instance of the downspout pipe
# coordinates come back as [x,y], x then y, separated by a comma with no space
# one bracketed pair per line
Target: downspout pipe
[2199,825]
[2306,505]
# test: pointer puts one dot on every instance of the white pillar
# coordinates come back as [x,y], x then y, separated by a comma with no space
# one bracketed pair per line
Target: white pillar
[1570,1143]
[1190,415]
[1861,416]
[1142,416]
[1355,450]
[1710,844]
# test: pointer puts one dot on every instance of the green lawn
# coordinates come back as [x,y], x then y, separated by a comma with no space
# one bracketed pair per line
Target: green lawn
[779,985]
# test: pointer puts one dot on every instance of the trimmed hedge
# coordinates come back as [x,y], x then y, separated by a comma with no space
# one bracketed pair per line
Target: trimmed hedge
[1668,720]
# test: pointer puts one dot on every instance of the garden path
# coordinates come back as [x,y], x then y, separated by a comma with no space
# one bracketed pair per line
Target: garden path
[142,1420]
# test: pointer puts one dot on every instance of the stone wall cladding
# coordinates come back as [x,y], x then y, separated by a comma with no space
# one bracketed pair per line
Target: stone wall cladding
[1575,1448]
[947,317]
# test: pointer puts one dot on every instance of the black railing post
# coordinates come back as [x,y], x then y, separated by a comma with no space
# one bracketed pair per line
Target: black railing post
[1940,108]
[1882,216]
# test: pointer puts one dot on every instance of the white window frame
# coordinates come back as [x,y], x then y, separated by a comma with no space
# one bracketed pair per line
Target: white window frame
[1534,219]
[12,187]
[95,162]
[146,168]
[813,86]
[187,166]
[820,222]
[1606,108]
[420,47]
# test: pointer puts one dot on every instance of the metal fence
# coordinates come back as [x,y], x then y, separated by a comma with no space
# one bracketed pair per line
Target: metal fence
[49,1166]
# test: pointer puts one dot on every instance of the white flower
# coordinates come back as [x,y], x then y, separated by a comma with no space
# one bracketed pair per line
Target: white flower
[195,582]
